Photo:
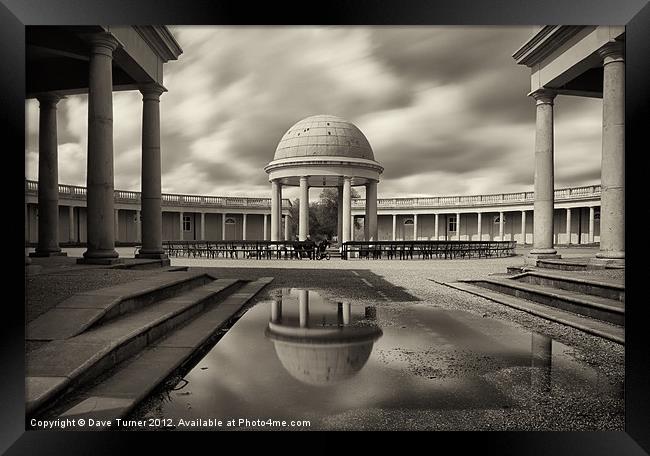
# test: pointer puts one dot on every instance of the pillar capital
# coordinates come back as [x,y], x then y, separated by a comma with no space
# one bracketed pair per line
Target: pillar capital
[612,52]
[49,99]
[152,91]
[543,96]
[102,43]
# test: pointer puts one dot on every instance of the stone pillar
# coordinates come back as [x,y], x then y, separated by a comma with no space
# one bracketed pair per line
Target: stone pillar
[71,230]
[435,227]
[394,227]
[203,226]
[151,174]
[415,227]
[276,310]
[303,307]
[275,210]
[479,226]
[544,172]
[303,217]
[347,209]
[352,227]
[346,313]
[523,227]
[243,227]
[100,183]
[116,224]
[48,179]
[568,226]
[501,226]
[180,225]
[339,227]
[457,226]
[138,225]
[592,216]
[223,226]
[371,211]
[266,228]
[287,232]
[612,178]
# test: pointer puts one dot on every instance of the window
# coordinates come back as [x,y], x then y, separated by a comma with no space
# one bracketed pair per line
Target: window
[230,221]
[452,223]
[408,222]
[497,221]
[597,215]
[187,223]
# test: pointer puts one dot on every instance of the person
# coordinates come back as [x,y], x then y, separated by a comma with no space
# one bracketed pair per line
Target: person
[309,247]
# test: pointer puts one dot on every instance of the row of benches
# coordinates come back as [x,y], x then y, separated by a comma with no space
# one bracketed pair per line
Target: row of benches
[240,249]
[404,250]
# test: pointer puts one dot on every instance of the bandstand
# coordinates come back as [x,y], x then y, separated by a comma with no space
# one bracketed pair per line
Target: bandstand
[325,151]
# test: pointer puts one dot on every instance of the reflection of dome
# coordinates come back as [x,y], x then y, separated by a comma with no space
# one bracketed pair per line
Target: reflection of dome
[324,135]
[318,364]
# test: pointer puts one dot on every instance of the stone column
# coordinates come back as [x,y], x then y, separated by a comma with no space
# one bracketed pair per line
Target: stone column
[544,172]
[371,210]
[457,226]
[116,224]
[100,183]
[346,313]
[523,227]
[287,233]
[138,225]
[394,227]
[276,310]
[479,226]
[612,178]
[436,227]
[275,212]
[223,226]
[303,217]
[568,226]
[347,208]
[48,179]
[71,230]
[151,174]
[203,226]
[180,225]
[266,228]
[303,308]
[351,227]
[244,227]
[592,216]
[415,227]
[340,214]
[501,226]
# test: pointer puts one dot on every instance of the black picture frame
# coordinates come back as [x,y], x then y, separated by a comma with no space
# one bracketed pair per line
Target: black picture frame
[635,14]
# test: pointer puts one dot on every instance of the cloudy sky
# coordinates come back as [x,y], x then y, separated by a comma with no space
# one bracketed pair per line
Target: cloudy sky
[444,109]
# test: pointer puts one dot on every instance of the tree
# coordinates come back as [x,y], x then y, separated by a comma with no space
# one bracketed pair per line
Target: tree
[323,215]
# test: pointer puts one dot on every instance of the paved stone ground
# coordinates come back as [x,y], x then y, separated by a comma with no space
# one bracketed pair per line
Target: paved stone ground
[395,283]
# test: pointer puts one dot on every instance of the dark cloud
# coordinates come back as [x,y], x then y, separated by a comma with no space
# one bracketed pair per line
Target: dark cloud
[444,108]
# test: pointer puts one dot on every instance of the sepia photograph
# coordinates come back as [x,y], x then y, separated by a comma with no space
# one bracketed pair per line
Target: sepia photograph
[325,227]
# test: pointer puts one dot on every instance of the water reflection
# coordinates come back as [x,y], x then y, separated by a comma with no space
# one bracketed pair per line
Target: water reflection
[318,341]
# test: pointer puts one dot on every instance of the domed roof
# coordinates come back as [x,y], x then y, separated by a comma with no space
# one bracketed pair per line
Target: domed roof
[324,135]
[322,364]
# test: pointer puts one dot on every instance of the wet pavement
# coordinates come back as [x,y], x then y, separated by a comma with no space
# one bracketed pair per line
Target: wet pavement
[342,364]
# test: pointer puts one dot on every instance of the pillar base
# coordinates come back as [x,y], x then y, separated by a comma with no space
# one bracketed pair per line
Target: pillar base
[42,254]
[104,261]
[611,255]
[598,262]
[532,258]
[152,255]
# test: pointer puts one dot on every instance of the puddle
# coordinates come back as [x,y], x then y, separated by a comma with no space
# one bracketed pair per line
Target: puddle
[304,357]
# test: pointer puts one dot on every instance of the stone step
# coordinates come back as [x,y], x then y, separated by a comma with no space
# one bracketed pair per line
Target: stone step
[589,325]
[84,310]
[609,310]
[135,379]
[576,265]
[603,287]
[63,365]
